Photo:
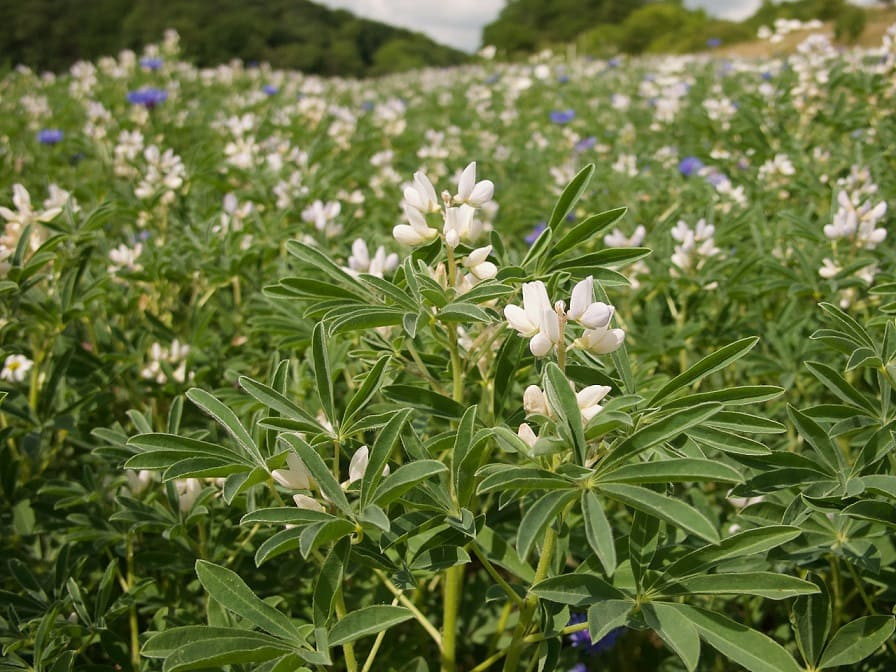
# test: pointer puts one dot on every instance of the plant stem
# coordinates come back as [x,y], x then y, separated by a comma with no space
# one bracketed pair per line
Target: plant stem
[450,606]
[490,568]
[348,649]
[421,619]
[512,662]
[132,609]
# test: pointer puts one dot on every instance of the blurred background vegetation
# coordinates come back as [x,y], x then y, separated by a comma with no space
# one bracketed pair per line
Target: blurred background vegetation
[299,34]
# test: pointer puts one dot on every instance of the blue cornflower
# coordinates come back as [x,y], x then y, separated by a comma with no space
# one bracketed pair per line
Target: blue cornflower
[148,97]
[151,63]
[536,231]
[585,144]
[562,79]
[715,178]
[582,639]
[49,136]
[714,42]
[689,165]
[562,116]
[270,89]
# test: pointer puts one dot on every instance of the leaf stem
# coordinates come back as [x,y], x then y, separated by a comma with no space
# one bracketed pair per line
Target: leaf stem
[421,618]
[348,649]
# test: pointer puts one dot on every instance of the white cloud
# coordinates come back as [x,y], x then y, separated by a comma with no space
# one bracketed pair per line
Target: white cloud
[454,22]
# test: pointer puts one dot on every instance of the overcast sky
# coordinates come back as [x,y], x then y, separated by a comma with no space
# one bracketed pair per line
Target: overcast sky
[459,22]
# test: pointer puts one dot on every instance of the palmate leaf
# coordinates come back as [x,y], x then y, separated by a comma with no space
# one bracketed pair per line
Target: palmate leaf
[539,515]
[563,400]
[227,419]
[811,617]
[577,589]
[744,646]
[679,634]
[232,592]
[598,532]
[673,511]
[673,471]
[588,229]
[856,641]
[769,585]
[382,448]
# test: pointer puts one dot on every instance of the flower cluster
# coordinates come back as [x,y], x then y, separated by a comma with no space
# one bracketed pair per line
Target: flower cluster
[694,246]
[543,323]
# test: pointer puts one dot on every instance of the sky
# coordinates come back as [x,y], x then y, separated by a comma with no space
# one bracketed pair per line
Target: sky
[459,22]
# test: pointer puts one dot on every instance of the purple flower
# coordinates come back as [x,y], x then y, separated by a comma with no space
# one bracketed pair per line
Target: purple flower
[714,42]
[614,62]
[492,79]
[689,165]
[562,79]
[270,89]
[49,136]
[562,116]
[151,63]
[582,639]
[715,178]
[578,667]
[367,105]
[148,97]
[585,144]
[536,231]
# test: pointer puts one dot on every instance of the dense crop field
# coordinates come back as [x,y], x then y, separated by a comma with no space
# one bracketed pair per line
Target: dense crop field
[550,365]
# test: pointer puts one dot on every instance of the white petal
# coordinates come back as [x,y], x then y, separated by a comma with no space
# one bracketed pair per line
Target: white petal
[535,300]
[467,182]
[596,316]
[592,394]
[482,193]
[358,464]
[540,345]
[525,433]
[485,271]
[582,297]
[306,502]
[519,321]
[534,401]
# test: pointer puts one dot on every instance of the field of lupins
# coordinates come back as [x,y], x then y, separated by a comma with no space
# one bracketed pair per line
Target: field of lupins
[567,365]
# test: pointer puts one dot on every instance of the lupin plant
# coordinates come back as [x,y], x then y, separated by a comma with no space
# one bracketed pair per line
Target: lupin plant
[445,510]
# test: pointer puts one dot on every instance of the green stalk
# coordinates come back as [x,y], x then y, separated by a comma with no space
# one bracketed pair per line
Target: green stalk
[450,607]
[348,649]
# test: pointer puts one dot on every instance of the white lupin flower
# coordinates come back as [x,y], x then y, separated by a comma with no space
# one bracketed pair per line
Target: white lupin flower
[588,400]
[138,481]
[527,435]
[361,262]
[527,320]
[421,195]
[295,476]
[585,310]
[470,191]
[477,262]
[323,216]
[188,490]
[601,341]
[549,333]
[24,214]
[415,233]
[460,224]
[828,268]
[535,402]
[306,502]
[15,368]
[358,465]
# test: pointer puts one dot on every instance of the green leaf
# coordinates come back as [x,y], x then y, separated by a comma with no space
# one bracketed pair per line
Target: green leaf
[673,511]
[613,256]
[310,256]
[541,514]
[662,430]
[319,471]
[577,590]
[323,377]
[227,419]
[769,585]
[743,544]
[837,384]
[591,227]
[606,616]
[709,364]
[811,617]
[464,312]
[673,471]
[643,539]
[536,252]
[501,553]
[404,478]
[563,400]
[329,581]
[465,458]
[424,399]
[742,645]
[318,534]
[284,515]
[440,558]
[372,383]
[856,641]
[598,532]
[820,442]
[245,648]
[508,477]
[277,402]
[731,396]
[344,321]
[678,634]
[849,325]
[367,621]
[570,196]
[163,644]
[379,454]
[231,591]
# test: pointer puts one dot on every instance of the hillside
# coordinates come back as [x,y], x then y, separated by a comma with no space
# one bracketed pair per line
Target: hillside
[52,34]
